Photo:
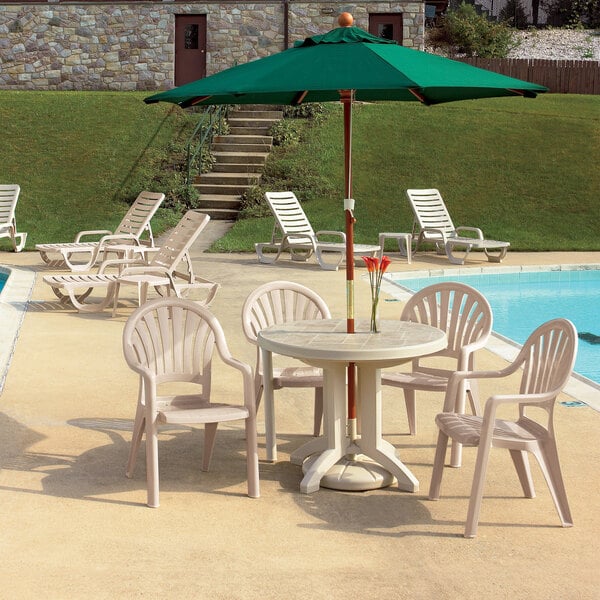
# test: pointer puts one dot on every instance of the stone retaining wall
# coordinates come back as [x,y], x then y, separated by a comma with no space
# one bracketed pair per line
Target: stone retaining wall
[130,46]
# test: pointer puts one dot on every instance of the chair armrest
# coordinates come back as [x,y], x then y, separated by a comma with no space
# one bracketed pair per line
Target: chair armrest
[467,351]
[141,268]
[439,232]
[339,234]
[457,379]
[475,230]
[92,232]
[119,262]
[124,237]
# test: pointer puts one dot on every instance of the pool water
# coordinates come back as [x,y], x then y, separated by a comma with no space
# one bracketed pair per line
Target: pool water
[523,300]
[3,278]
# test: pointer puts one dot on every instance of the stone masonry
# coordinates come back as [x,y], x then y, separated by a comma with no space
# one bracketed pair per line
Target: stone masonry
[130,46]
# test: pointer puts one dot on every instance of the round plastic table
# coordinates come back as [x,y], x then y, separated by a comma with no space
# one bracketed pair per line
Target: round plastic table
[335,460]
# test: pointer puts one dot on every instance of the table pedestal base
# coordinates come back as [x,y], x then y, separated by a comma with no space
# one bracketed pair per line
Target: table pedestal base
[353,473]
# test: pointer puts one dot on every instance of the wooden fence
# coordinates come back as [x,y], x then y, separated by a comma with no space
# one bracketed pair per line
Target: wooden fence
[559,76]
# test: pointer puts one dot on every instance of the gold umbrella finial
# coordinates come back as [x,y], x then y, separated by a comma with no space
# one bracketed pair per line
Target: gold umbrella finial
[345,19]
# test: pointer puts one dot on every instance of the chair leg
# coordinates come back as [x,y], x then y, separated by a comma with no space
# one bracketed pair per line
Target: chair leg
[438,466]
[318,419]
[410,401]
[152,463]
[483,453]
[252,458]
[521,462]
[547,456]
[210,434]
[136,439]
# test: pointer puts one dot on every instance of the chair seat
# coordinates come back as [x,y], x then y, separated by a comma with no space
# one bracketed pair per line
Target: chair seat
[466,429]
[297,377]
[421,381]
[188,409]
[70,246]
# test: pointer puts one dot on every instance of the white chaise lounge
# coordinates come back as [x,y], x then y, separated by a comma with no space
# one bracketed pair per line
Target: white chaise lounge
[90,251]
[9,196]
[293,233]
[432,223]
[160,272]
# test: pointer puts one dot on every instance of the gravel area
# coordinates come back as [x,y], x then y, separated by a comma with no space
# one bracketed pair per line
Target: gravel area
[553,44]
[557,44]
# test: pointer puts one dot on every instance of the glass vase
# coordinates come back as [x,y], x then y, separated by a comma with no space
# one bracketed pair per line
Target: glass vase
[374,324]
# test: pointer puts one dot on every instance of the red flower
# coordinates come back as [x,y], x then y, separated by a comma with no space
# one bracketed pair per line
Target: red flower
[376,269]
[385,263]
[371,262]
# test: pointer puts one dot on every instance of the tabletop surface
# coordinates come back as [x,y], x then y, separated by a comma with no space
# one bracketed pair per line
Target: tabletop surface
[327,339]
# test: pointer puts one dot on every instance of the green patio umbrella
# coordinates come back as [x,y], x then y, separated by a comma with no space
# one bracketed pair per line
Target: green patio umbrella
[344,65]
[347,64]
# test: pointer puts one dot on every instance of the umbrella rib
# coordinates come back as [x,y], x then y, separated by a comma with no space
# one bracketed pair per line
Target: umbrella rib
[195,101]
[417,95]
[299,98]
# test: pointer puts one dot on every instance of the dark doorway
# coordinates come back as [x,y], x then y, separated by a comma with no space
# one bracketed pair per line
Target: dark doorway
[190,48]
[387,26]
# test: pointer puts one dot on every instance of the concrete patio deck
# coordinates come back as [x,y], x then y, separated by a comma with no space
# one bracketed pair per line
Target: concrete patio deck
[73,526]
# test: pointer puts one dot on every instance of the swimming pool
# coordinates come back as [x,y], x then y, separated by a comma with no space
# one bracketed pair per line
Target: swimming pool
[523,299]
[17,286]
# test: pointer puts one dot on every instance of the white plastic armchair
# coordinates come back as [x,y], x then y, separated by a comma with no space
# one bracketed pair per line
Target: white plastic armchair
[172,340]
[466,316]
[9,196]
[547,359]
[281,302]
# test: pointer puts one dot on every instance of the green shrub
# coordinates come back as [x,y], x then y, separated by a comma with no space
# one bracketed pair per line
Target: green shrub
[253,205]
[285,133]
[473,35]
[310,110]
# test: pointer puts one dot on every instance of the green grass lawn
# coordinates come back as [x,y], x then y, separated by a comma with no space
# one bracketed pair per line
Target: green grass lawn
[79,157]
[523,170]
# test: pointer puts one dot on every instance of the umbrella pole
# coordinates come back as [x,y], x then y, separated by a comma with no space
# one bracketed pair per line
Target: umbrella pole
[346,99]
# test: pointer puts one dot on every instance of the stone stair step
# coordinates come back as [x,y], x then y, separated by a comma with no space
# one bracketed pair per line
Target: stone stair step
[229,178]
[265,140]
[223,167]
[219,201]
[275,115]
[251,122]
[221,147]
[250,130]
[256,158]
[227,190]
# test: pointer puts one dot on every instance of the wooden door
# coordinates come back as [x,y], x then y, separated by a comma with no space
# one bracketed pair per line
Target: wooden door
[386,25]
[190,48]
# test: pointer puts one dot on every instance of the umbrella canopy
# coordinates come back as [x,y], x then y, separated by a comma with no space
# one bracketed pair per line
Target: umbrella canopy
[344,65]
[347,58]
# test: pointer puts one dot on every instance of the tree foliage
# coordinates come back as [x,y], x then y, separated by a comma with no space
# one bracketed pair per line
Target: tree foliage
[474,35]
[573,13]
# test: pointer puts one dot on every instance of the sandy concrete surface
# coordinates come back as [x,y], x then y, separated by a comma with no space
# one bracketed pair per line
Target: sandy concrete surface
[73,526]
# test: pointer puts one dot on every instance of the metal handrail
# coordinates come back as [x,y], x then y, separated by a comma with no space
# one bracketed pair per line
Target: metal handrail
[208,126]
